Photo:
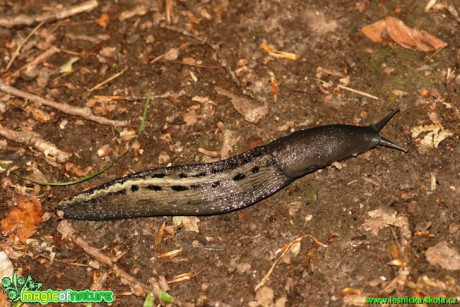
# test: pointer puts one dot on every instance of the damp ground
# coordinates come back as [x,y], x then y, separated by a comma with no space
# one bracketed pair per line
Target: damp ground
[389,219]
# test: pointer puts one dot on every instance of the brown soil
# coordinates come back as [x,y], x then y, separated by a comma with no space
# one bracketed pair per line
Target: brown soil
[231,253]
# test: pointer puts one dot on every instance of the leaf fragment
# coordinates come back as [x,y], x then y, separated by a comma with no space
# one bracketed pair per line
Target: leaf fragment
[394,29]
[21,221]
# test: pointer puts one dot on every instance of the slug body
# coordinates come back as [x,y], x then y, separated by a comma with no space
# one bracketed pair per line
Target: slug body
[227,185]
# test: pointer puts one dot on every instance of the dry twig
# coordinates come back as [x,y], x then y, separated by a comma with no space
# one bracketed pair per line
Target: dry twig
[16,52]
[97,86]
[351,90]
[41,58]
[220,58]
[32,139]
[82,112]
[284,250]
[168,9]
[25,20]
[138,288]
[401,278]
[160,57]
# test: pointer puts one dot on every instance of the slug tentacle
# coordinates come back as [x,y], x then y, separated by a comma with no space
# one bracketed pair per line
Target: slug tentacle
[382,123]
[379,126]
[387,143]
[227,185]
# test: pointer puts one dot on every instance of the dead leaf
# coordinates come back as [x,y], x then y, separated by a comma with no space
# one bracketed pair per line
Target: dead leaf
[281,302]
[104,150]
[382,218]
[399,93]
[445,256]
[356,299]
[251,112]
[437,287]
[40,115]
[278,54]
[320,71]
[190,223]
[108,52]
[243,267]
[68,66]
[6,266]
[190,118]
[74,169]
[172,54]
[127,134]
[21,221]
[103,21]
[375,32]
[432,134]
[4,300]
[265,296]
[203,100]
[395,29]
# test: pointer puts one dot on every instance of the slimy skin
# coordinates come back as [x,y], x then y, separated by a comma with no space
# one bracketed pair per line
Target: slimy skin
[227,185]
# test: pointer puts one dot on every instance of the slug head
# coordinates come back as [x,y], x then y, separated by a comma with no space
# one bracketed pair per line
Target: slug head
[305,151]
[379,126]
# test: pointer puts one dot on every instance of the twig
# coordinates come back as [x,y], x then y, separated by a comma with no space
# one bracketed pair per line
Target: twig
[428,59]
[190,64]
[168,9]
[351,90]
[401,278]
[138,288]
[32,139]
[221,60]
[42,57]
[24,20]
[82,112]
[182,47]
[16,52]
[107,80]
[284,250]
[358,92]
[184,33]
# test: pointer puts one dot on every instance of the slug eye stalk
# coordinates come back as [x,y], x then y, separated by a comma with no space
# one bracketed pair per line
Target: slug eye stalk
[379,126]
[387,143]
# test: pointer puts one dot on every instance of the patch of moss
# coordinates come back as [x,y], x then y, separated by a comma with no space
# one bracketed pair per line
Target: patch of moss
[403,61]
[310,196]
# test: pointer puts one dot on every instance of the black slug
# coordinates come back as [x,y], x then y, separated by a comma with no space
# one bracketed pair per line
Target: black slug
[227,185]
